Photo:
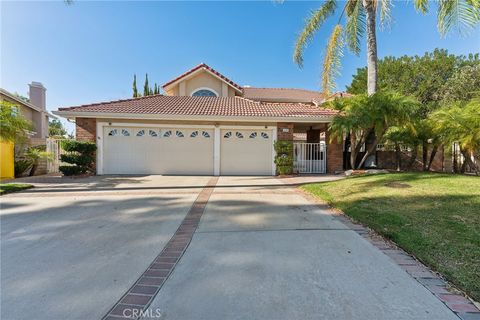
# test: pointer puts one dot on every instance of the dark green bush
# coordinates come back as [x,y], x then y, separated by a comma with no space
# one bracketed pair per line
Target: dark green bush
[83,147]
[21,166]
[72,170]
[81,154]
[284,157]
[80,160]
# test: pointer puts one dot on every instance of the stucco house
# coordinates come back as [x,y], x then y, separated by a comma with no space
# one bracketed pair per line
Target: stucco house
[207,124]
[33,110]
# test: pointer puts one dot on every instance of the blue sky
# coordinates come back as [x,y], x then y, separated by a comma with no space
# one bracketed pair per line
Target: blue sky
[89,51]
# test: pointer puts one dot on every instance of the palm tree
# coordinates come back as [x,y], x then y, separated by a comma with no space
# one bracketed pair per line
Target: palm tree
[361,18]
[460,123]
[364,116]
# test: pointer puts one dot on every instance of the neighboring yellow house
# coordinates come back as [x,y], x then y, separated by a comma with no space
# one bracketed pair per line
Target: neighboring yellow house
[6,160]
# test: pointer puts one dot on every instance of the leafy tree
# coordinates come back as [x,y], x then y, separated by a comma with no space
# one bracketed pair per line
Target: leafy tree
[135,91]
[425,78]
[463,85]
[56,129]
[146,88]
[13,125]
[360,20]
[362,115]
[460,123]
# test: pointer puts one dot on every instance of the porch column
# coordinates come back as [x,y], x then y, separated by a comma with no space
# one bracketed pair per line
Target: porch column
[334,154]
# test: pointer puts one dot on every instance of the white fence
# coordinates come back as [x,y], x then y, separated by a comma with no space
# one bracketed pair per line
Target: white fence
[55,149]
[309,157]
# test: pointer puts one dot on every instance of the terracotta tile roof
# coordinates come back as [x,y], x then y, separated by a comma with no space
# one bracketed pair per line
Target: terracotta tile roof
[282,94]
[203,65]
[203,106]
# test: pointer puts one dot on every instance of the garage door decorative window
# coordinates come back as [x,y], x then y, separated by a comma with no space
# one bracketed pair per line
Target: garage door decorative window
[239,135]
[227,135]
[205,134]
[113,132]
[125,133]
[141,133]
[194,134]
[152,133]
[179,134]
[167,133]
[253,135]
[264,135]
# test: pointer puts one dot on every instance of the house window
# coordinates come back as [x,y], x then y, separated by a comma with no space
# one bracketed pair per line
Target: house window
[194,134]
[167,133]
[227,135]
[205,134]
[141,133]
[152,133]
[113,132]
[204,93]
[179,134]
[125,133]
[264,135]
[253,135]
[239,135]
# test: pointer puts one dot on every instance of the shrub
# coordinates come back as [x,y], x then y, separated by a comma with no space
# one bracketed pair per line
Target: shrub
[284,157]
[72,170]
[81,154]
[21,166]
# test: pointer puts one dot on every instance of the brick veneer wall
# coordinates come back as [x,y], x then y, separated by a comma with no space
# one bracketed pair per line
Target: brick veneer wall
[334,154]
[285,136]
[86,129]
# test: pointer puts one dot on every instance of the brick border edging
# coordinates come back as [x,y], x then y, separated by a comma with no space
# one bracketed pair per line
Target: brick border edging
[457,301]
[144,290]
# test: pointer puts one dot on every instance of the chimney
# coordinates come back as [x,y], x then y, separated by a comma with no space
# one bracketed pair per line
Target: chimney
[37,95]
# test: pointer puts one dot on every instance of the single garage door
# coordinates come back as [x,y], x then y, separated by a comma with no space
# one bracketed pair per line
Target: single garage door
[144,150]
[246,152]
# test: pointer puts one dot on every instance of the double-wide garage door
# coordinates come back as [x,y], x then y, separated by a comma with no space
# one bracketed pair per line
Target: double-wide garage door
[149,150]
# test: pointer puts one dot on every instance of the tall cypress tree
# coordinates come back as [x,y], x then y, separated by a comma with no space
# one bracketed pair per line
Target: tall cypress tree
[135,91]
[155,89]
[146,89]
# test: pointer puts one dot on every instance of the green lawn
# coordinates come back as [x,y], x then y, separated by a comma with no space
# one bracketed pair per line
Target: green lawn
[436,217]
[13,187]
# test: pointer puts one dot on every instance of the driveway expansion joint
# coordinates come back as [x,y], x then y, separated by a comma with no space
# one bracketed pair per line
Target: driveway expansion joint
[141,294]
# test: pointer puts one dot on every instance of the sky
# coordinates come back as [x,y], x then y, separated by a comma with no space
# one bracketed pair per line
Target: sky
[88,51]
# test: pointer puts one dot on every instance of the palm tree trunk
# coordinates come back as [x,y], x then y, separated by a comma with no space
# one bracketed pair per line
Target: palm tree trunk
[413,157]
[369,6]
[424,155]
[398,156]
[432,156]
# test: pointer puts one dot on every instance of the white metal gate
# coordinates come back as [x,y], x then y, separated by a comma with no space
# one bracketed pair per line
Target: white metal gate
[54,148]
[309,157]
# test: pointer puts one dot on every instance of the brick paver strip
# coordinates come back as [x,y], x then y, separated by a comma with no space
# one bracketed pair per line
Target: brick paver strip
[142,293]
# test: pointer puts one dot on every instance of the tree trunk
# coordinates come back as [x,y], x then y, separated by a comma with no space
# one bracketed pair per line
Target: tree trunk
[432,156]
[371,148]
[370,9]
[413,157]
[398,156]
[424,155]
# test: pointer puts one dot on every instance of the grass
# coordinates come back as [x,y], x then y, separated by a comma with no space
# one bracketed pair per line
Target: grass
[13,187]
[436,217]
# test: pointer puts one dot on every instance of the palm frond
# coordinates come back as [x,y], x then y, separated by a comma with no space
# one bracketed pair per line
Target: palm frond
[355,28]
[331,63]
[421,5]
[385,12]
[312,24]
[457,13]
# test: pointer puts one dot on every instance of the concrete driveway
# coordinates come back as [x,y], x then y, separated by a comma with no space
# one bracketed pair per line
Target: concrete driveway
[261,251]
[70,248]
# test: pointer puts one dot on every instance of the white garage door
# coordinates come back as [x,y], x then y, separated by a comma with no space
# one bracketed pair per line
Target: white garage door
[246,152]
[128,150]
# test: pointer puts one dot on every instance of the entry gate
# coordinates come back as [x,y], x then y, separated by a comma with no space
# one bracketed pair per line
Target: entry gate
[309,157]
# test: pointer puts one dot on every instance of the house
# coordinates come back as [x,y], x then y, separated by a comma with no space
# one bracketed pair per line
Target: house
[206,124]
[34,110]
